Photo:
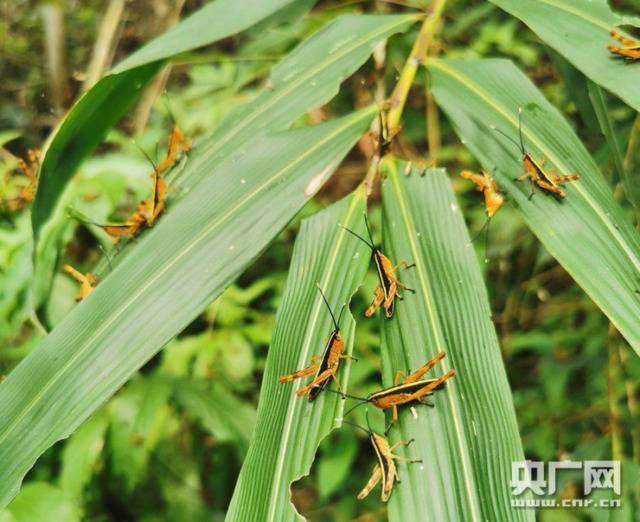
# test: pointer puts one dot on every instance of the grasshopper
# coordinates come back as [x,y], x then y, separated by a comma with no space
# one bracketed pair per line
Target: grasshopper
[388,290]
[177,143]
[493,198]
[486,183]
[149,209]
[326,366]
[385,469]
[534,170]
[631,49]
[412,389]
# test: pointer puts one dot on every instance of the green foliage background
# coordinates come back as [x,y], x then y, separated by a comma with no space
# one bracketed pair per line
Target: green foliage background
[170,443]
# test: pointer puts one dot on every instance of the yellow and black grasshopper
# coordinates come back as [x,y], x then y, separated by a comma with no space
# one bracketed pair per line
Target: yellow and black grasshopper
[413,389]
[388,290]
[385,469]
[533,169]
[325,367]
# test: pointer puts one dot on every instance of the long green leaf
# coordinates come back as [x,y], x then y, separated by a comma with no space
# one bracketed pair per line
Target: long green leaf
[587,232]
[183,263]
[579,30]
[308,77]
[289,428]
[88,121]
[468,441]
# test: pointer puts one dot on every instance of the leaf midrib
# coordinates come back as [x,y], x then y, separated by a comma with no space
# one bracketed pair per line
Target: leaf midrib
[165,268]
[577,187]
[437,330]
[302,358]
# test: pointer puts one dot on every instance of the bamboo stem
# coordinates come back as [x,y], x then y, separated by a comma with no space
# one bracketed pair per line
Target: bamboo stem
[53,20]
[102,48]
[416,57]
[434,141]
[143,110]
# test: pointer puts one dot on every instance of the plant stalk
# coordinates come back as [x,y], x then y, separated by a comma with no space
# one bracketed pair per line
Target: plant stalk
[416,58]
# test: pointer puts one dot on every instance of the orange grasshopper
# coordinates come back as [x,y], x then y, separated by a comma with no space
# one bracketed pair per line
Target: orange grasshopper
[385,468]
[149,209]
[388,290]
[493,198]
[29,170]
[534,171]
[177,144]
[413,389]
[325,367]
[87,281]
[486,183]
[631,49]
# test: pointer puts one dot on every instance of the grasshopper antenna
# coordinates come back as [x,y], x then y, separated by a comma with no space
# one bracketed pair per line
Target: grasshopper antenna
[482,229]
[340,314]
[324,298]
[368,432]
[153,164]
[364,401]
[370,245]
[107,256]
[168,107]
[366,221]
[508,137]
[346,395]
[79,216]
[486,242]
[368,423]
[520,130]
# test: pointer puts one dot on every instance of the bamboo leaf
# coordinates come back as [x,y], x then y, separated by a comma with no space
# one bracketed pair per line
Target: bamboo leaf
[587,232]
[165,281]
[289,428]
[469,439]
[579,30]
[308,77]
[88,121]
